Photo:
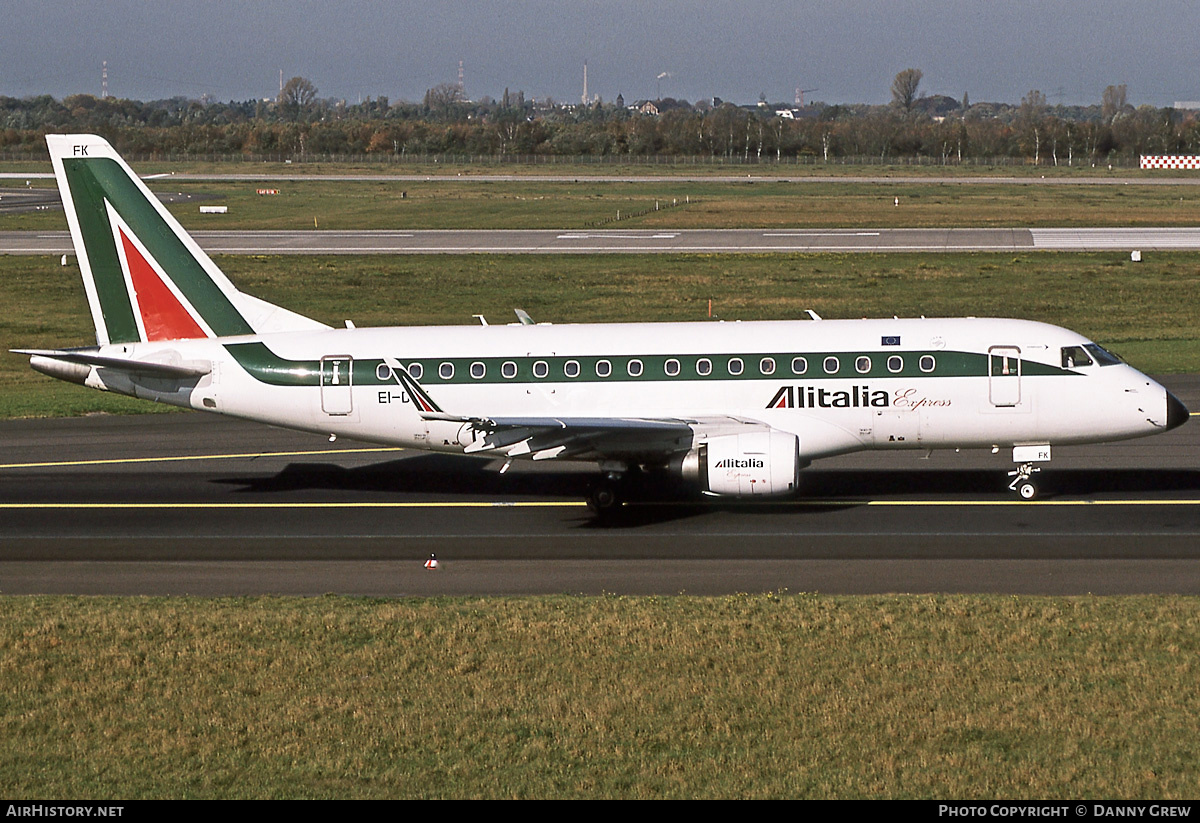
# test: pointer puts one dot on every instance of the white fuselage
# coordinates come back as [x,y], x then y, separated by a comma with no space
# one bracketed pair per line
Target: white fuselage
[838,385]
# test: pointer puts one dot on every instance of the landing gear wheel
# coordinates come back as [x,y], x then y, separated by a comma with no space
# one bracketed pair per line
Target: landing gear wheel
[603,499]
[1022,484]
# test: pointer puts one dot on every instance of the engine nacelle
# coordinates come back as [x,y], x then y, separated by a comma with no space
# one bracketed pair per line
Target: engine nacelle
[751,463]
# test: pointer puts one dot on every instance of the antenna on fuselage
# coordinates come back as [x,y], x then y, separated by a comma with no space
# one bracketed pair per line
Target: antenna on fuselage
[812,315]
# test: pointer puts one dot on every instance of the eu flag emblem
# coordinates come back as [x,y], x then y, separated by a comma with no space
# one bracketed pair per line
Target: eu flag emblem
[890,340]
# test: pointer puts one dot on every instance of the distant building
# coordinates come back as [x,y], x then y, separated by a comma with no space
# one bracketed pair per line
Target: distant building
[806,113]
[1188,105]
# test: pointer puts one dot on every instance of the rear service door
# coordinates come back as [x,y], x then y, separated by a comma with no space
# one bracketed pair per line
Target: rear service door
[336,372]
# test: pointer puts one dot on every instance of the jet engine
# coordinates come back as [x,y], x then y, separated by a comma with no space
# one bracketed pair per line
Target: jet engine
[747,464]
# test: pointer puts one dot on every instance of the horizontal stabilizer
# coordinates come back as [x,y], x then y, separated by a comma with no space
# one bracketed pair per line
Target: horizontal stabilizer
[91,358]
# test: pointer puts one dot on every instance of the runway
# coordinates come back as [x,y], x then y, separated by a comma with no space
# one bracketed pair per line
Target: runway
[637,241]
[198,504]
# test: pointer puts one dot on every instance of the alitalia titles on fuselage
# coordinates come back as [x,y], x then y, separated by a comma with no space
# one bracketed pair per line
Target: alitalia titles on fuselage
[856,397]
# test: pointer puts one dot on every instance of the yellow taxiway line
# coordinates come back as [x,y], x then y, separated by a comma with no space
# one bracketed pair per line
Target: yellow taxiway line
[453,504]
[181,458]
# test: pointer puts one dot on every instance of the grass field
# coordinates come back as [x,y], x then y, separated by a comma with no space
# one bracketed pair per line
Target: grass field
[535,204]
[800,696]
[549,165]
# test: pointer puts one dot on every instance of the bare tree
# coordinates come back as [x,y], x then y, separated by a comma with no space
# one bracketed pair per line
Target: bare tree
[441,99]
[298,94]
[1112,102]
[904,89]
[1030,117]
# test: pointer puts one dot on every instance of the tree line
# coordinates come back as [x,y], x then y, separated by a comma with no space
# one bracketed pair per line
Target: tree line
[301,125]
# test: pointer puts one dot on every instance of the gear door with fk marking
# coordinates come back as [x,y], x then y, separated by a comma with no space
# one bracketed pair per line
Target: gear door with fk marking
[336,371]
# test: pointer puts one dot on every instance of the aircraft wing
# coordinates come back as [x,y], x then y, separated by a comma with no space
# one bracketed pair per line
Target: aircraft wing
[582,438]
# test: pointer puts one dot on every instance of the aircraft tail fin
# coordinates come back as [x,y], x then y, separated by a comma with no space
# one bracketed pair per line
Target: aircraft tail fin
[146,278]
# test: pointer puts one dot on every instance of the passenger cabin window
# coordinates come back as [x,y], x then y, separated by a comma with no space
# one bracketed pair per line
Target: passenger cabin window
[927,363]
[383,372]
[863,364]
[478,370]
[832,365]
[634,367]
[671,367]
[508,369]
[446,371]
[895,364]
[799,365]
[540,369]
[416,370]
[735,366]
[603,368]
[766,365]
[571,368]
[703,367]
[1074,357]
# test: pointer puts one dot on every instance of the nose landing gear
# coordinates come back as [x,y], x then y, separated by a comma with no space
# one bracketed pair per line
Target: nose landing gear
[1022,476]
[1022,482]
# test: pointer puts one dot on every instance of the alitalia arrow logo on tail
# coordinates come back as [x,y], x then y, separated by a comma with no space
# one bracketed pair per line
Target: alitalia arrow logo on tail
[160,309]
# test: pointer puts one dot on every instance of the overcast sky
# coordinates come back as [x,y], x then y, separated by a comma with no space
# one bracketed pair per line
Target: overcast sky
[848,50]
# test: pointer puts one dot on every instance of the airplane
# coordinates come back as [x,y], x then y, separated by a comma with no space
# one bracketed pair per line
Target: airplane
[734,408]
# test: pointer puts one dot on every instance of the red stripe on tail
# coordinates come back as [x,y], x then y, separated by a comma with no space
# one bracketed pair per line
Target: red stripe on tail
[163,316]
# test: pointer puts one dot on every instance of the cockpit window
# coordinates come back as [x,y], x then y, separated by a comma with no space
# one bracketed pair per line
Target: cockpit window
[1102,355]
[1074,357]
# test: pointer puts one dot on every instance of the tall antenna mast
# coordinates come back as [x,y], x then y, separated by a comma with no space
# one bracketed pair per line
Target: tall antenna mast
[585,94]
[104,79]
[462,89]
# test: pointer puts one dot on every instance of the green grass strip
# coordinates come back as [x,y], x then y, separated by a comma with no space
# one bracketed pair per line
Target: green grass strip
[741,696]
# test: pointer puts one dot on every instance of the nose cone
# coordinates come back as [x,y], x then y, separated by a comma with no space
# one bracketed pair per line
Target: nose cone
[1177,413]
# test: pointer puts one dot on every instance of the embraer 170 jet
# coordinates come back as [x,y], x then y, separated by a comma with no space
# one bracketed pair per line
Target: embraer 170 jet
[737,408]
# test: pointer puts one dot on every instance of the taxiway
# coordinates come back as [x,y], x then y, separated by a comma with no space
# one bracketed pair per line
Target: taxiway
[639,241]
[198,504]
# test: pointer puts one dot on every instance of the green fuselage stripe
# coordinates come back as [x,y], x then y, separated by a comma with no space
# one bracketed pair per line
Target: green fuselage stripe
[267,367]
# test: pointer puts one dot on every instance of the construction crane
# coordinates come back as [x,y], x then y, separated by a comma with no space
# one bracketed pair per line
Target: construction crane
[800,96]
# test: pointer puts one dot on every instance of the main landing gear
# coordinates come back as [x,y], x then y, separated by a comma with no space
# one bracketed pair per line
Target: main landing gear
[608,494]
[604,498]
[1022,482]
